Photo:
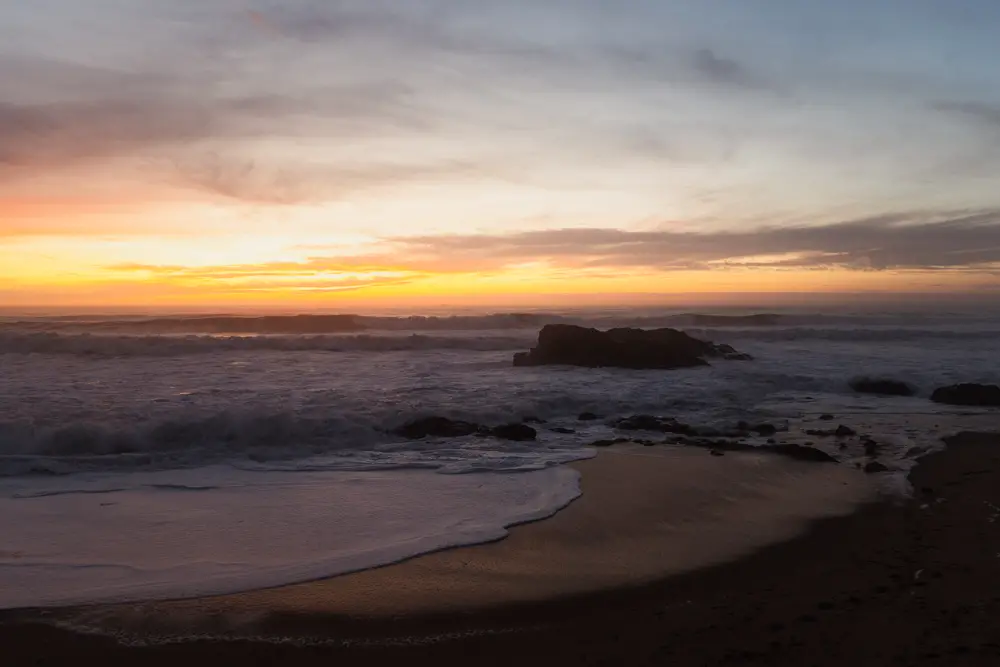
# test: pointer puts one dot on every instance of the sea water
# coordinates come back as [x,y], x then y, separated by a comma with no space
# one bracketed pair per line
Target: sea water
[158,457]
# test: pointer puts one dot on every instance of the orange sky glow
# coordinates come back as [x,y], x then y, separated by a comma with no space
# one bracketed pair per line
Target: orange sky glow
[350,154]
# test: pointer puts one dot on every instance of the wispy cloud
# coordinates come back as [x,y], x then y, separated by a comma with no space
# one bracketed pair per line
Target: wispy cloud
[922,241]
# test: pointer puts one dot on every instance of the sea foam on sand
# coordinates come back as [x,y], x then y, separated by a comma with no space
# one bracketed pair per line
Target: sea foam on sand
[645,513]
[181,533]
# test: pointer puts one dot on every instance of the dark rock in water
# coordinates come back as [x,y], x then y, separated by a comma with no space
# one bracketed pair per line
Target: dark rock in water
[650,423]
[875,467]
[716,452]
[844,431]
[561,429]
[826,418]
[608,443]
[515,432]
[979,395]
[792,451]
[569,345]
[772,441]
[532,420]
[800,453]
[819,433]
[871,447]
[764,429]
[881,386]
[437,427]
[588,417]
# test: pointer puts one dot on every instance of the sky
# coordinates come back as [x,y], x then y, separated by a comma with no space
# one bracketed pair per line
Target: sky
[331,152]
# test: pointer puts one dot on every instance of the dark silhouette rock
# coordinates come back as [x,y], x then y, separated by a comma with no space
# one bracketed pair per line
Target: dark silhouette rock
[826,418]
[569,345]
[716,452]
[515,432]
[562,429]
[656,424]
[437,427]
[608,443]
[588,417]
[978,395]
[881,386]
[531,419]
[764,429]
[871,447]
[875,467]
[792,451]
[844,431]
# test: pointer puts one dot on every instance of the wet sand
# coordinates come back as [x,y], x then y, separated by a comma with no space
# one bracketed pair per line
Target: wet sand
[916,582]
[645,513]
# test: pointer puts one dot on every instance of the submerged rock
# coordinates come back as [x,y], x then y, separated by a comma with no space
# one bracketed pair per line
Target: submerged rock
[515,432]
[844,431]
[979,395]
[764,429]
[655,424]
[875,467]
[588,417]
[792,451]
[881,386]
[442,427]
[437,427]
[569,345]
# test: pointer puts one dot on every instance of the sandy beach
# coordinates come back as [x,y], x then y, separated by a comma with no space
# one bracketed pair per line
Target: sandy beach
[892,583]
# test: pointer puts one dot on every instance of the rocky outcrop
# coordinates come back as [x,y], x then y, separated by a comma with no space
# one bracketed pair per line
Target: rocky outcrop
[840,432]
[881,386]
[438,427]
[568,345]
[980,395]
[654,424]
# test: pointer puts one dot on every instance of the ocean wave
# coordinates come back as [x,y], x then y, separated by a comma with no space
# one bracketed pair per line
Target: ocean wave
[327,324]
[277,324]
[86,344]
[279,440]
[852,334]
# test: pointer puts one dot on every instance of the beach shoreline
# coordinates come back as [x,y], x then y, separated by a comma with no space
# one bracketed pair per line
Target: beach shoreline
[872,586]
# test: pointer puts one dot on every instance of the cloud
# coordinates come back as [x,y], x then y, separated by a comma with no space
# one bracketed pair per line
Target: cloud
[45,136]
[988,114]
[928,241]
[920,241]
[725,71]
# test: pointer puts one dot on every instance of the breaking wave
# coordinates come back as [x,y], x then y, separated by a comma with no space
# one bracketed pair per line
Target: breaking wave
[87,344]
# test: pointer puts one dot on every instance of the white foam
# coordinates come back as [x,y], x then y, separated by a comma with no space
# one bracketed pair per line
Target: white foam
[168,534]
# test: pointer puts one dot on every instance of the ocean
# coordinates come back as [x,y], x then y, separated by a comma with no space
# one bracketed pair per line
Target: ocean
[148,457]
